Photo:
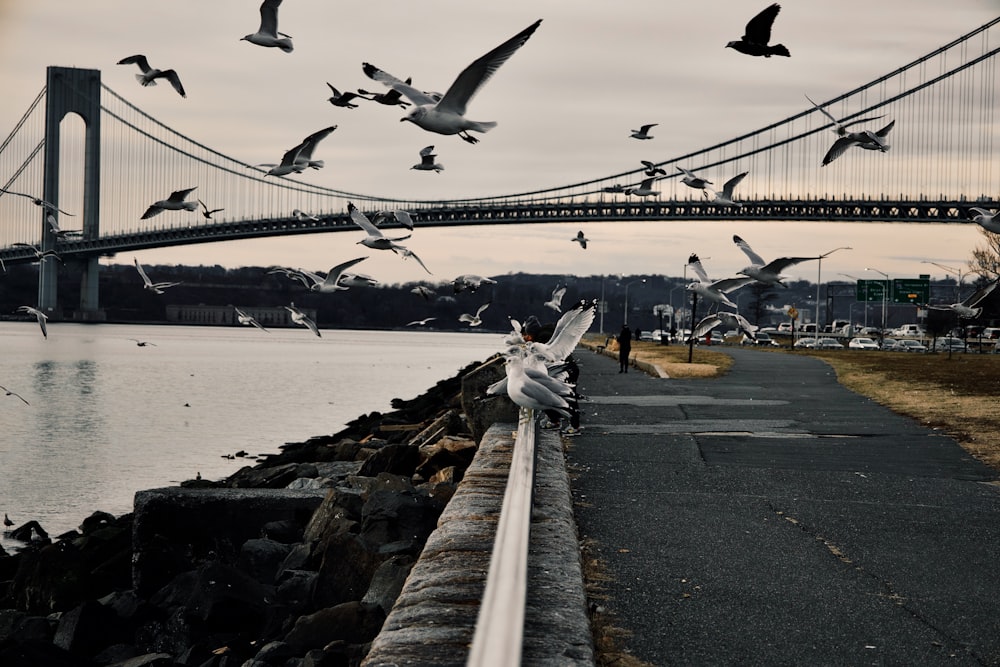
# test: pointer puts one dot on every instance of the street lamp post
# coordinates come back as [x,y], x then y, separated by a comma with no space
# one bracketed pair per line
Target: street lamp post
[957,272]
[885,289]
[819,271]
[627,285]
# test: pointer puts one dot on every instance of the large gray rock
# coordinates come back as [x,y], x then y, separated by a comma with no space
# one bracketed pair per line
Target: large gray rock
[481,412]
[176,529]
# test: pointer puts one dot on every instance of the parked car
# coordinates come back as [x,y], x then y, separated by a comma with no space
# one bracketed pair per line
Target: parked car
[911,345]
[828,344]
[763,339]
[891,345]
[910,330]
[805,342]
[785,327]
[949,343]
[862,343]
[992,333]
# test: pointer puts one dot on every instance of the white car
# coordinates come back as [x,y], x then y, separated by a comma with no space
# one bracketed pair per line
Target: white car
[805,342]
[862,343]
[911,345]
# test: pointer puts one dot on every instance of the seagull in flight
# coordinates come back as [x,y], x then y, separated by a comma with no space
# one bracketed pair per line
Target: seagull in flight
[58,231]
[969,308]
[725,197]
[581,239]
[206,212]
[840,127]
[427,162]
[644,189]
[399,215]
[297,159]
[332,282]
[375,240]
[693,181]
[40,255]
[714,290]
[652,169]
[248,320]
[149,284]
[765,272]
[7,522]
[149,74]
[845,139]
[302,215]
[300,318]
[555,303]
[757,34]
[474,320]
[421,323]
[643,132]
[175,202]
[731,320]
[267,34]
[424,291]
[446,115]
[988,221]
[471,282]
[39,315]
[345,99]
[141,343]
[37,202]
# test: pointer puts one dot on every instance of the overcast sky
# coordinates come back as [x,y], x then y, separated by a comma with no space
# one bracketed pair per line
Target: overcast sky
[564,104]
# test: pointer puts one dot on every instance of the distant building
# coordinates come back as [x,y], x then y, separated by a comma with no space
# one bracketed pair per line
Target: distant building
[268,316]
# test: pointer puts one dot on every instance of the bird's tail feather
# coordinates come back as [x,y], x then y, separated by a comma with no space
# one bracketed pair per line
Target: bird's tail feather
[141,78]
[482,126]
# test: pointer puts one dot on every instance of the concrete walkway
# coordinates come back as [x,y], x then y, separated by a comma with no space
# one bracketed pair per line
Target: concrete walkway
[773,517]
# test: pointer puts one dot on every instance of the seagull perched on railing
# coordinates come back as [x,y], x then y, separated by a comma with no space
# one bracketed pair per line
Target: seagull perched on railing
[446,115]
[175,202]
[149,284]
[267,34]
[149,74]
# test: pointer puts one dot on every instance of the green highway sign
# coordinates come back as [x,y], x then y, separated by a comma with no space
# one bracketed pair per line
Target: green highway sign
[871,290]
[911,290]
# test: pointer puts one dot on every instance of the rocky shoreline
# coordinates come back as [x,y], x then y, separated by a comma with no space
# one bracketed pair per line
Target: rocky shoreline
[294,561]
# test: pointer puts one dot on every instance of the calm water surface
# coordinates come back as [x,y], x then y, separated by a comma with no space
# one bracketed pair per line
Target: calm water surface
[108,417]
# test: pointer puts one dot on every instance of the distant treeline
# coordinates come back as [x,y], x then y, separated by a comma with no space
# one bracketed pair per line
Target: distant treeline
[392,306]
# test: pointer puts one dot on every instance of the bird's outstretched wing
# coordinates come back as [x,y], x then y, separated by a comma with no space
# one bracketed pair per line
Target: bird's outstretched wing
[758,29]
[415,95]
[142,272]
[362,221]
[479,72]
[748,251]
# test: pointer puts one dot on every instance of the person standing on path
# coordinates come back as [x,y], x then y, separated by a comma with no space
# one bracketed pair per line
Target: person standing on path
[624,348]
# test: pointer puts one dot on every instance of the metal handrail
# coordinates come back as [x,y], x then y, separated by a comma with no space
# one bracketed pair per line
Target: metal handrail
[500,625]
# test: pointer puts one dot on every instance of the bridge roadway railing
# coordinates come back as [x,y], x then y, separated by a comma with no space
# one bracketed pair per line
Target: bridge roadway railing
[431,215]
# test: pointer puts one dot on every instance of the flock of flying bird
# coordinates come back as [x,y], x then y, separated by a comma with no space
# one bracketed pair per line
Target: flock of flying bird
[445,114]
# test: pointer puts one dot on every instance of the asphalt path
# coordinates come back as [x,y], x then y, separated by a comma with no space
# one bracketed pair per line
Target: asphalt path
[773,517]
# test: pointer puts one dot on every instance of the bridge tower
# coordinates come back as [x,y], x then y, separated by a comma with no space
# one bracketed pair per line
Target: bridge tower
[72,90]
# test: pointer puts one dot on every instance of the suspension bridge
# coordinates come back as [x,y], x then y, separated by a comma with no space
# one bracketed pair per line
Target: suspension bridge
[943,105]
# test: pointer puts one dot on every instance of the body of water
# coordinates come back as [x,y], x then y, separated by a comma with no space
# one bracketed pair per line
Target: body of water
[108,417]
